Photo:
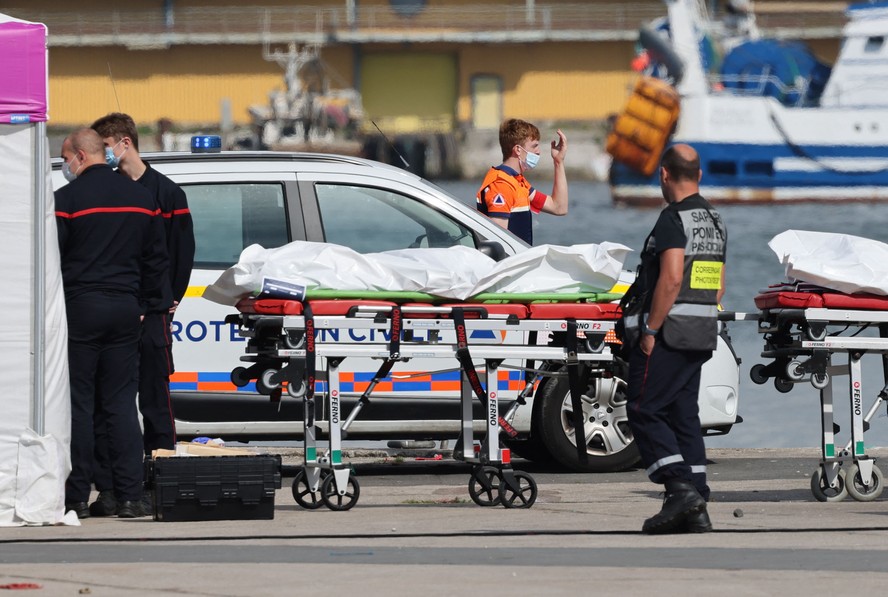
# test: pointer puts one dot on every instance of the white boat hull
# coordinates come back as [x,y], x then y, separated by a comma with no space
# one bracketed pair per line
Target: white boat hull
[756,149]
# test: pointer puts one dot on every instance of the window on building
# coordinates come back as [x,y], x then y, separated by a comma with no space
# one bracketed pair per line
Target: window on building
[487,101]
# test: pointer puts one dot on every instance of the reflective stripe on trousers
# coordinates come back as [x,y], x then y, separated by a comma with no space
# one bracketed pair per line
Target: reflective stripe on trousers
[663,462]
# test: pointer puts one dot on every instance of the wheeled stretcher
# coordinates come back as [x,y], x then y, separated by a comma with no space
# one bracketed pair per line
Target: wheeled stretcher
[286,355]
[804,327]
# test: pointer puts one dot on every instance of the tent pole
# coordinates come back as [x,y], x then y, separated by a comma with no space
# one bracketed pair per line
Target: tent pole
[39,304]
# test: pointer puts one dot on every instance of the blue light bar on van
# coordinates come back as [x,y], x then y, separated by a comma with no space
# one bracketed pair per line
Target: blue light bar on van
[206,144]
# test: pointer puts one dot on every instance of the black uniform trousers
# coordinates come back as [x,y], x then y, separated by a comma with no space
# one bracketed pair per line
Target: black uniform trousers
[155,368]
[103,352]
[155,404]
[664,414]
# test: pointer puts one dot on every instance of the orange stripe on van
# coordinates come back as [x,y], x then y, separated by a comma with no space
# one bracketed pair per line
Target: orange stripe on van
[216,386]
[445,386]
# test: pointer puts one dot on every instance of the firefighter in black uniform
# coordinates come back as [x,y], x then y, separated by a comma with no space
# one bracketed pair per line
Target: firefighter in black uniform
[121,138]
[114,269]
[681,280]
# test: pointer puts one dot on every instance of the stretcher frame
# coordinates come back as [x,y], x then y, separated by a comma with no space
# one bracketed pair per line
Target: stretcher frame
[278,349]
[802,344]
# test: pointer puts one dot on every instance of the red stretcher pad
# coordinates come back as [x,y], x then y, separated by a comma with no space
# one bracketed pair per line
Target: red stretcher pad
[267,306]
[290,307]
[574,310]
[825,300]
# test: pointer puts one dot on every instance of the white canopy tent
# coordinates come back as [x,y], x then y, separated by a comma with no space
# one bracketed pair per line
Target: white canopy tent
[35,421]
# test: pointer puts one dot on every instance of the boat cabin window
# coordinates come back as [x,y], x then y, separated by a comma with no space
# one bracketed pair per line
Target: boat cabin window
[874,44]
[759,168]
[722,168]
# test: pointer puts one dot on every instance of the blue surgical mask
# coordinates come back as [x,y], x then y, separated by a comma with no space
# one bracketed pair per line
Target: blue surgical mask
[111,159]
[67,173]
[532,159]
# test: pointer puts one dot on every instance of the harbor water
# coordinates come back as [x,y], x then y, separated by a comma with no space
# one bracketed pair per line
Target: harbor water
[770,419]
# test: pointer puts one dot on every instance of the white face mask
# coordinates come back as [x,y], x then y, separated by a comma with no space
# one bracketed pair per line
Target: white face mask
[66,170]
[532,159]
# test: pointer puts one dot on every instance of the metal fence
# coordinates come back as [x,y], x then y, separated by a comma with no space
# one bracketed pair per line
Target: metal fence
[375,23]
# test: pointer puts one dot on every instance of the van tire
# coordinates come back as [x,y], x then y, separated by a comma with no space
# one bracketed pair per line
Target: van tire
[611,447]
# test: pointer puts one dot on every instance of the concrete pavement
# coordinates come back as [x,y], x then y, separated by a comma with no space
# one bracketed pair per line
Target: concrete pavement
[417,532]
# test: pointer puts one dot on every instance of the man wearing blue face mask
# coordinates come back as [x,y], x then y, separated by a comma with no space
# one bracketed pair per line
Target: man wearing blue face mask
[506,196]
[121,138]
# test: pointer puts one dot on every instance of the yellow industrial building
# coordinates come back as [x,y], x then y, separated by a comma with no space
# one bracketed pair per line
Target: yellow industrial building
[419,65]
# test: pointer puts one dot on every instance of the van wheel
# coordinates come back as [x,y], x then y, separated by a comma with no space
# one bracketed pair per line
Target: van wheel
[610,445]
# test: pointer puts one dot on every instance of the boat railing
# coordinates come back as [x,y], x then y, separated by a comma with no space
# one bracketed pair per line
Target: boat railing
[345,22]
[487,21]
[757,85]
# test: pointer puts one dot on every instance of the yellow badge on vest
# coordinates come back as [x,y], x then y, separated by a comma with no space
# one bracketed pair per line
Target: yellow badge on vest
[706,275]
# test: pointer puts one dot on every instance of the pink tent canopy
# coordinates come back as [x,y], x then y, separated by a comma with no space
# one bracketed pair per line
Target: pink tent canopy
[23,78]
[35,421]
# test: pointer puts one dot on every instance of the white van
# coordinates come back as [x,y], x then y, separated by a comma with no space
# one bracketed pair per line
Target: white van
[240,198]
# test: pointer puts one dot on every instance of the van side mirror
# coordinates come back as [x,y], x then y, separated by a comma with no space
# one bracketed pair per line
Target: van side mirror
[492,249]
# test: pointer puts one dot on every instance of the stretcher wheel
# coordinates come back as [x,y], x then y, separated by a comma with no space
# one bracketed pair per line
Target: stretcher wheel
[331,497]
[303,494]
[858,490]
[296,389]
[820,380]
[484,485]
[264,384]
[795,371]
[823,492]
[757,374]
[521,496]
[294,340]
[816,336]
[783,385]
[240,377]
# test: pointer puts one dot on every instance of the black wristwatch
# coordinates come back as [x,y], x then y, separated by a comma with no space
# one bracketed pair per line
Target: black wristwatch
[649,331]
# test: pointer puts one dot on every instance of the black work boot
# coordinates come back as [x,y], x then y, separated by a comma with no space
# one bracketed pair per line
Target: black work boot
[698,522]
[81,508]
[105,504]
[681,500]
[131,509]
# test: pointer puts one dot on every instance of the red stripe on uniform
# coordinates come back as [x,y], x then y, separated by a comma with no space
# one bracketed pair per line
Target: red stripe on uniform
[107,210]
[176,212]
[167,334]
